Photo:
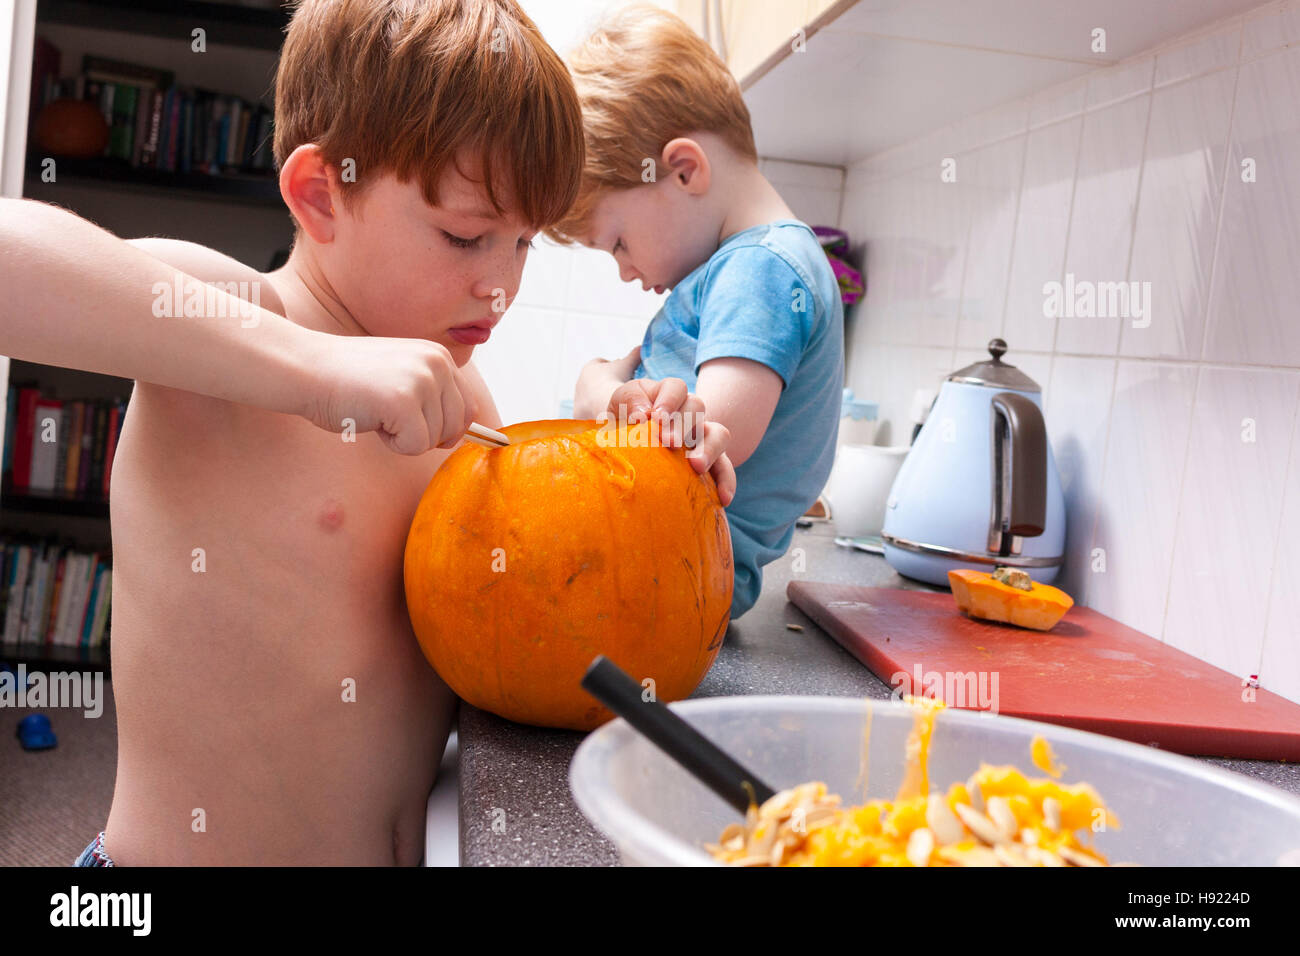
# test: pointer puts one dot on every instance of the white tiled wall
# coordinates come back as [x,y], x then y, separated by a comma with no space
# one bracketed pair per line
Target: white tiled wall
[1178,441]
[572,307]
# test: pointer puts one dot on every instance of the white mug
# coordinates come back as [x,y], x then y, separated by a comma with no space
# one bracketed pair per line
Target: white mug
[859,487]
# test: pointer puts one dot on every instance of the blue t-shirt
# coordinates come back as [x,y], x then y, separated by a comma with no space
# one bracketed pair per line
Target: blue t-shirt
[767,294]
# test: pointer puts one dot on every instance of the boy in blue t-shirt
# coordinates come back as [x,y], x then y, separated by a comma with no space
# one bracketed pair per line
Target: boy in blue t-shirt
[753,326]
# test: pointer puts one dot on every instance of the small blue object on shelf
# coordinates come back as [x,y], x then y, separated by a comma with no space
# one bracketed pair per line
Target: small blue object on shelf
[35,734]
[566,408]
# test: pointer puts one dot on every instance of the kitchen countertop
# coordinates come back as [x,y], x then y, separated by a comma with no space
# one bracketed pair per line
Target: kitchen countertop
[515,804]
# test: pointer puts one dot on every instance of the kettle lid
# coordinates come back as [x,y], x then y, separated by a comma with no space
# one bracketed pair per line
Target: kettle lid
[995,372]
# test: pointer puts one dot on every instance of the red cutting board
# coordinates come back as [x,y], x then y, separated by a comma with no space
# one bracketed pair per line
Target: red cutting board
[1088,672]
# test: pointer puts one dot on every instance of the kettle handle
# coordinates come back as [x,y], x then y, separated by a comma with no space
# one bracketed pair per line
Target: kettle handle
[1019,457]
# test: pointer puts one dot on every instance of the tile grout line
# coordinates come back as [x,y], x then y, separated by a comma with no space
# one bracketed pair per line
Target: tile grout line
[1137,199]
[1069,223]
[1200,368]
[1291,467]
[1015,232]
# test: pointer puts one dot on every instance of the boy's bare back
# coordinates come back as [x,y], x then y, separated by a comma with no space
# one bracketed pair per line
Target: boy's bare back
[233,664]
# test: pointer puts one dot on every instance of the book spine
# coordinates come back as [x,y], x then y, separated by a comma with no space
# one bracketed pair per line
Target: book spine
[62,597]
[63,439]
[45,453]
[97,445]
[101,612]
[173,131]
[114,429]
[26,424]
[85,599]
[17,585]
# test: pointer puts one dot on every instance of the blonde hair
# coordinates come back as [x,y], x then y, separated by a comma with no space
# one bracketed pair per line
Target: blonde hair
[644,78]
[404,86]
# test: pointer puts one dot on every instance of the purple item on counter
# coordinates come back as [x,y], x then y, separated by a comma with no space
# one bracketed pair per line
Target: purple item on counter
[835,243]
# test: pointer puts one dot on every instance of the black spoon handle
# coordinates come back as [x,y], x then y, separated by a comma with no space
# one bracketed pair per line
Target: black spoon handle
[606,681]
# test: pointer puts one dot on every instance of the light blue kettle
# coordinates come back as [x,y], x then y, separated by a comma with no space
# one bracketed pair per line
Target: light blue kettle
[979,486]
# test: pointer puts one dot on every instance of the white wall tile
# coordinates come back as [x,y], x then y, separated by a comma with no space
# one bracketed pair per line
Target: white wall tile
[1038,253]
[1121,182]
[594,287]
[802,174]
[1270,27]
[1101,219]
[1178,211]
[1119,82]
[1058,102]
[590,336]
[1230,513]
[1279,667]
[521,363]
[1199,54]
[545,280]
[992,178]
[1256,283]
[1141,480]
[890,375]
[1077,404]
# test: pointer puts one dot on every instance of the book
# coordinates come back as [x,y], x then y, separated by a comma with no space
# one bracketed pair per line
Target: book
[120,71]
[18,573]
[74,437]
[25,423]
[115,415]
[122,128]
[11,428]
[47,420]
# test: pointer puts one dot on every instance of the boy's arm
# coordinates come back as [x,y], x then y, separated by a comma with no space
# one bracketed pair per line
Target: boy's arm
[599,379]
[76,296]
[742,395]
[208,265]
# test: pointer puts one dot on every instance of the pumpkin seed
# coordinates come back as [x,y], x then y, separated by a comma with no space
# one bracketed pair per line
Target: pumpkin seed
[919,846]
[1077,857]
[999,811]
[1052,814]
[976,794]
[980,825]
[942,822]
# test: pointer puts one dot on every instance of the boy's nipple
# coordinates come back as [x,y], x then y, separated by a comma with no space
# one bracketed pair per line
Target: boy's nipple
[331,515]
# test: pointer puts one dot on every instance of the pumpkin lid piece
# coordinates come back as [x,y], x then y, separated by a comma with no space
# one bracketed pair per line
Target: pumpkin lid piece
[990,597]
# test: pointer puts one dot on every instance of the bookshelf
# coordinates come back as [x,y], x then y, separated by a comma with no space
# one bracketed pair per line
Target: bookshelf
[230,206]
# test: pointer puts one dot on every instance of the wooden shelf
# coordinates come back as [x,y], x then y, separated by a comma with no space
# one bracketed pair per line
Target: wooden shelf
[51,502]
[44,655]
[255,27]
[260,190]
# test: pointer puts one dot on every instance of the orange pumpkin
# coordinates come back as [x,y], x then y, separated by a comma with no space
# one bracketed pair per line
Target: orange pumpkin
[523,563]
[68,127]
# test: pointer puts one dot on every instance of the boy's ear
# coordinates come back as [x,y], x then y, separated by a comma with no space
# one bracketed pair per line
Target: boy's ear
[685,160]
[309,190]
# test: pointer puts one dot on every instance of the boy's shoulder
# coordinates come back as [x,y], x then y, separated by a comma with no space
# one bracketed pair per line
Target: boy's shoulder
[774,250]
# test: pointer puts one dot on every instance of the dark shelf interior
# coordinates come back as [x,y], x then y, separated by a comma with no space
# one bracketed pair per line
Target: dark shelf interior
[226,23]
[51,502]
[257,189]
[43,655]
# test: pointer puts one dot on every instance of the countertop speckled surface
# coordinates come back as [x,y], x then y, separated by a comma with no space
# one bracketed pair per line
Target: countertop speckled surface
[515,805]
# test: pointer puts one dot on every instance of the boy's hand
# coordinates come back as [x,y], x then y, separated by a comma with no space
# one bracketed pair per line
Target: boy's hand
[408,391]
[680,414]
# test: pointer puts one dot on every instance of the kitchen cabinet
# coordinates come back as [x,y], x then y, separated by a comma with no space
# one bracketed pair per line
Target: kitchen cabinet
[874,74]
[754,34]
